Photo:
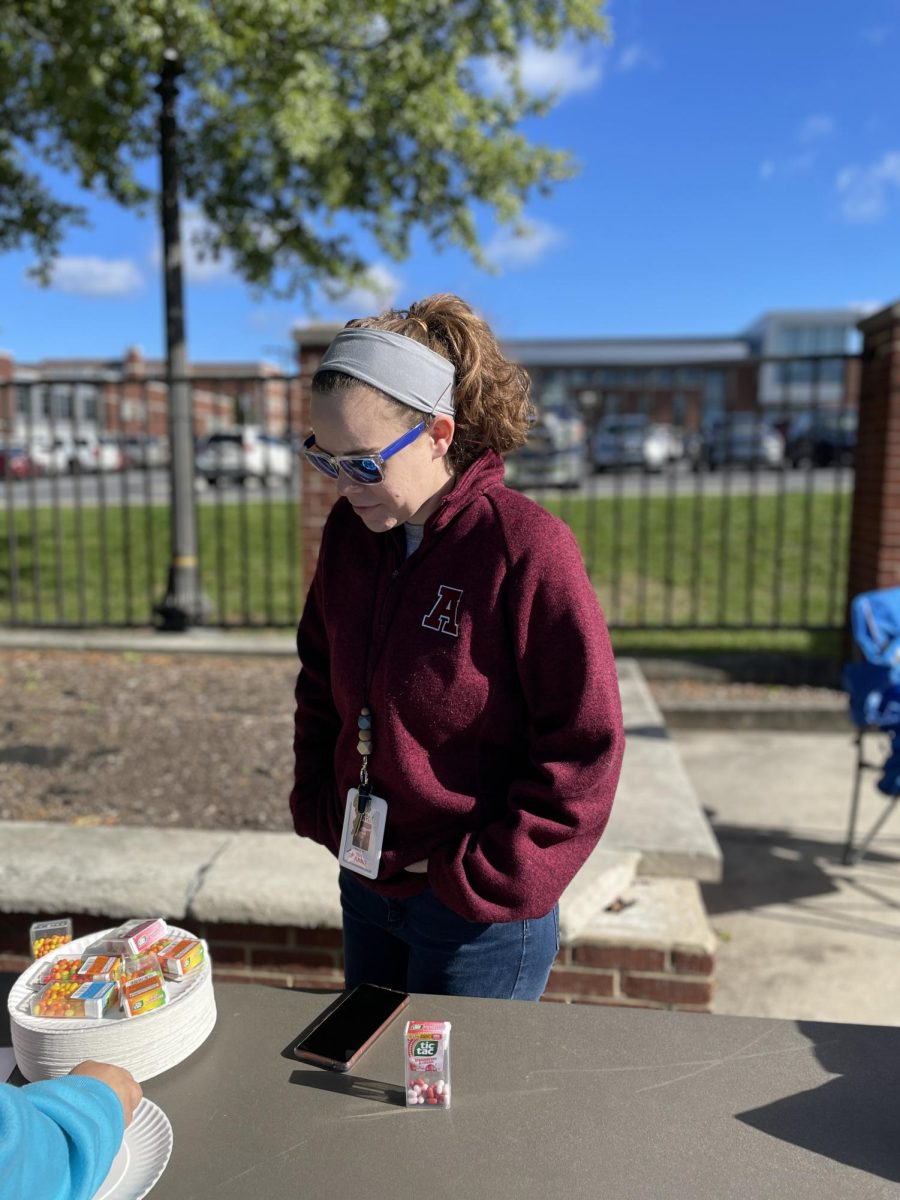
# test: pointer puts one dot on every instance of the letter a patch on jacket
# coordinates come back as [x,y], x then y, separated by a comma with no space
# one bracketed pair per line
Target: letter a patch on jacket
[444,615]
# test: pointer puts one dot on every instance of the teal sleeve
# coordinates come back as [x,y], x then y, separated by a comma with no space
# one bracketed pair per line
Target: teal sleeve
[57,1138]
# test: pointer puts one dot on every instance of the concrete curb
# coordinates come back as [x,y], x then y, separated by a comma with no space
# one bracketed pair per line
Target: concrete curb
[194,641]
[740,715]
[215,876]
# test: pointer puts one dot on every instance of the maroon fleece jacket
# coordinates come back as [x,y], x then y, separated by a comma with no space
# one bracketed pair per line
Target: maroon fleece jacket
[485,660]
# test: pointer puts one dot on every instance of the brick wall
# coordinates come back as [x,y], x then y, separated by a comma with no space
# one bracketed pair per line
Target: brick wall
[632,976]
[277,956]
[875,526]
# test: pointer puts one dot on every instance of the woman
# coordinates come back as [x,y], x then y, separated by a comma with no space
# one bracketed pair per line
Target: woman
[454,664]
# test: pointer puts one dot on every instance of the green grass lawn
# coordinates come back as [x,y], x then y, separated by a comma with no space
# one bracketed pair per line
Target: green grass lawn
[686,562]
[109,567]
[738,562]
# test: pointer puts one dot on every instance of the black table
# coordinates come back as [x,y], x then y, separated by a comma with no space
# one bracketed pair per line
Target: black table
[548,1101]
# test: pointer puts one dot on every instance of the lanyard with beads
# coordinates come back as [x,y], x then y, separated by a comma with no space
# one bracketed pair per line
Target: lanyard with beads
[365,743]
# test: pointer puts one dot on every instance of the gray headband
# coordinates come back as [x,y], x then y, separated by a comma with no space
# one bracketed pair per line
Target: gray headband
[403,368]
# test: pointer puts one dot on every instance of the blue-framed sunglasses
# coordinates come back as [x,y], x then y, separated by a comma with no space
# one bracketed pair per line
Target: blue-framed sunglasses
[362,468]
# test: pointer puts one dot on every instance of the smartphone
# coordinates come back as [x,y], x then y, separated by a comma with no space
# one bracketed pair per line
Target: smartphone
[349,1026]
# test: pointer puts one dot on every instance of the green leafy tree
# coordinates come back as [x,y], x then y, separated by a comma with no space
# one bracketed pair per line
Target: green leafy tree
[291,112]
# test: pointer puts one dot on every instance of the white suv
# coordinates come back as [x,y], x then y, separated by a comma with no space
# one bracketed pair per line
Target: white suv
[244,454]
[87,452]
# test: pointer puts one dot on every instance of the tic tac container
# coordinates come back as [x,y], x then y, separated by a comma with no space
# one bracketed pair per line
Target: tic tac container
[134,937]
[141,966]
[75,1000]
[45,936]
[56,970]
[179,956]
[100,966]
[143,995]
[427,1064]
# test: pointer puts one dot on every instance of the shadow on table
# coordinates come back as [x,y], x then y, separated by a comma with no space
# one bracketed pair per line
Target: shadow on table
[345,1083]
[351,1085]
[853,1118]
[773,866]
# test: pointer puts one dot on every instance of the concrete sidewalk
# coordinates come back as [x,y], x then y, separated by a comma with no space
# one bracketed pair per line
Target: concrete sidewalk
[801,936]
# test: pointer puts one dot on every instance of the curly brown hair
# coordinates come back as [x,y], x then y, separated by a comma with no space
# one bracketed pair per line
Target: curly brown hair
[491,394]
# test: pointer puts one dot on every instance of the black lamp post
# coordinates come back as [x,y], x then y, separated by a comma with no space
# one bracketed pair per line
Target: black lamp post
[184,603]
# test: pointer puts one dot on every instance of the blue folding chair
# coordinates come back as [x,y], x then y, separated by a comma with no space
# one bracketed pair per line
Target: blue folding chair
[873,687]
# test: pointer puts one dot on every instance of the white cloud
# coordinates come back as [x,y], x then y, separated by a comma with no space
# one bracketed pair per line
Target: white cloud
[93,276]
[565,70]
[786,166]
[197,267]
[510,250]
[637,55]
[865,308]
[865,190]
[816,127]
[378,289]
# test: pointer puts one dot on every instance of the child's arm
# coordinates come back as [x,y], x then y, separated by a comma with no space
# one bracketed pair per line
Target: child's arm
[58,1137]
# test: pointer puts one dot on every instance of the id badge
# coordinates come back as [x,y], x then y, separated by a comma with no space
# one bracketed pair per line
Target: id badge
[363,834]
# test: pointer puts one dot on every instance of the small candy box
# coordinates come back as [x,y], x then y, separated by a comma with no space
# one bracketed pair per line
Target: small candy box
[427,1046]
[179,956]
[75,1000]
[143,994]
[99,966]
[141,967]
[58,970]
[49,935]
[134,937]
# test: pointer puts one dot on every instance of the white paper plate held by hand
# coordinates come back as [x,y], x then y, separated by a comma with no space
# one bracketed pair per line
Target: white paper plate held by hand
[142,1157]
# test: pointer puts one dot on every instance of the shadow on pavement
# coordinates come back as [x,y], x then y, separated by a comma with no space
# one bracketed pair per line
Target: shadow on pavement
[851,1118]
[768,866]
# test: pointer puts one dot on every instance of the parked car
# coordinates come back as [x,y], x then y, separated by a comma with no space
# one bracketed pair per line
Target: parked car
[50,457]
[90,452]
[243,454]
[17,463]
[635,441]
[141,450]
[555,453]
[822,439]
[743,439]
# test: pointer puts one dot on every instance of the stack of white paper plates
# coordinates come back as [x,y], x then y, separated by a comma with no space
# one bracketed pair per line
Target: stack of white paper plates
[145,1045]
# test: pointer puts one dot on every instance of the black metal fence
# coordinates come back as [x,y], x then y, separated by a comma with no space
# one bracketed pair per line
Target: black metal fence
[85,519]
[704,495]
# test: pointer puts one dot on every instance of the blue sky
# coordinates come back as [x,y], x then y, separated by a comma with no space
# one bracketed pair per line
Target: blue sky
[734,157]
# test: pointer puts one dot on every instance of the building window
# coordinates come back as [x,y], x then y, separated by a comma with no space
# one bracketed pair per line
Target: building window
[88,397]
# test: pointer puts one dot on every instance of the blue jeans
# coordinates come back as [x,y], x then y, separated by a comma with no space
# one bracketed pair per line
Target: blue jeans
[420,945]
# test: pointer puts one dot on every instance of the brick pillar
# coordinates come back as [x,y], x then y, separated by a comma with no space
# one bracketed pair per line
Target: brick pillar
[317,491]
[875,526]
[7,396]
